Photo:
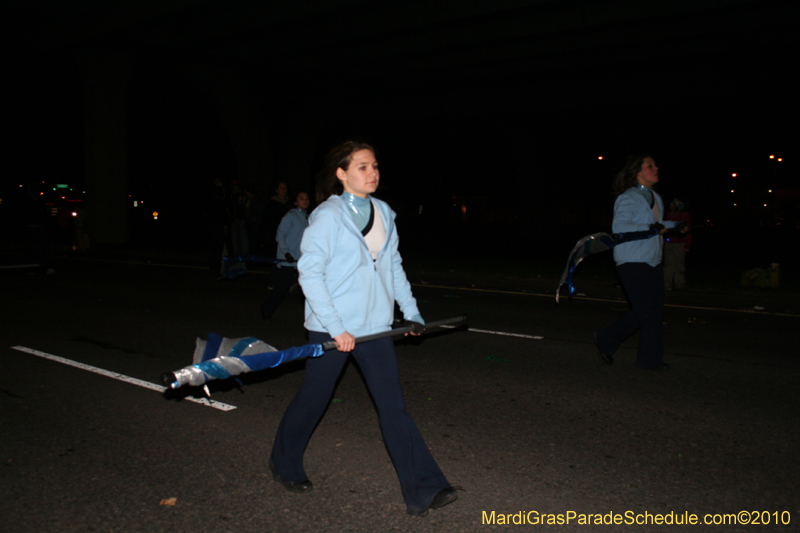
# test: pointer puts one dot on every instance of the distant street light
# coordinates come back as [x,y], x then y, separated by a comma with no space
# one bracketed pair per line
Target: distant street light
[775,167]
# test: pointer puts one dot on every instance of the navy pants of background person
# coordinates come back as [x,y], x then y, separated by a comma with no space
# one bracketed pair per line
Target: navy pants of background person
[282,278]
[644,286]
[420,476]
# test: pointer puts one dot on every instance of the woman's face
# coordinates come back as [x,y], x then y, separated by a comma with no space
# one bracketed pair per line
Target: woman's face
[362,177]
[302,201]
[282,190]
[648,176]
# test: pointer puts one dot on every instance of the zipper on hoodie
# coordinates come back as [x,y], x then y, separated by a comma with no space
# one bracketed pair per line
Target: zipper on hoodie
[364,242]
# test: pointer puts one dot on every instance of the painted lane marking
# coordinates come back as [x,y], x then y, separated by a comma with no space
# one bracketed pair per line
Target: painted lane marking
[503,333]
[121,377]
[34,265]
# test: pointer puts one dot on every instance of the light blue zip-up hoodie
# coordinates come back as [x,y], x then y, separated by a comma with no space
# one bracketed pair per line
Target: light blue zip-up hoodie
[344,289]
[632,213]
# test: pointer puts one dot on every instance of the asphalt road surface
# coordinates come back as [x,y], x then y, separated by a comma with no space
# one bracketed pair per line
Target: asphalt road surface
[530,427]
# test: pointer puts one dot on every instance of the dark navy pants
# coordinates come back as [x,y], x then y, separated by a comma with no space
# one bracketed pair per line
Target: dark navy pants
[420,476]
[644,286]
[281,280]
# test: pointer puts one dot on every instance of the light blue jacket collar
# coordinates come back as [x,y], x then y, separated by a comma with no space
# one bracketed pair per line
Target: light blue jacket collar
[359,208]
[386,214]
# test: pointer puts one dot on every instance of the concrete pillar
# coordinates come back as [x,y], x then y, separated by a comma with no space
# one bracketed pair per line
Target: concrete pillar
[241,113]
[106,146]
[303,167]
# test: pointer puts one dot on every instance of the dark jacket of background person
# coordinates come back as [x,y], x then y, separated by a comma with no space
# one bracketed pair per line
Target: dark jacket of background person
[684,238]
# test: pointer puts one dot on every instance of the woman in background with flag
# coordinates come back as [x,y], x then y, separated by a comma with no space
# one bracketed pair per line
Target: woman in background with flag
[637,208]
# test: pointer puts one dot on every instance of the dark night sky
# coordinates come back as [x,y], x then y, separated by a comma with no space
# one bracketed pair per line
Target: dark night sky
[509,100]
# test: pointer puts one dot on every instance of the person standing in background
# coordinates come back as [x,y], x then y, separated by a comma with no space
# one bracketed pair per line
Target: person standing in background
[237,207]
[277,206]
[289,235]
[676,246]
[255,223]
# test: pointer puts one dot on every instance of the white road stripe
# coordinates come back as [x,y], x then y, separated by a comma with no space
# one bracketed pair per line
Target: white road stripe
[127,379]
[503,333]
[36,265]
